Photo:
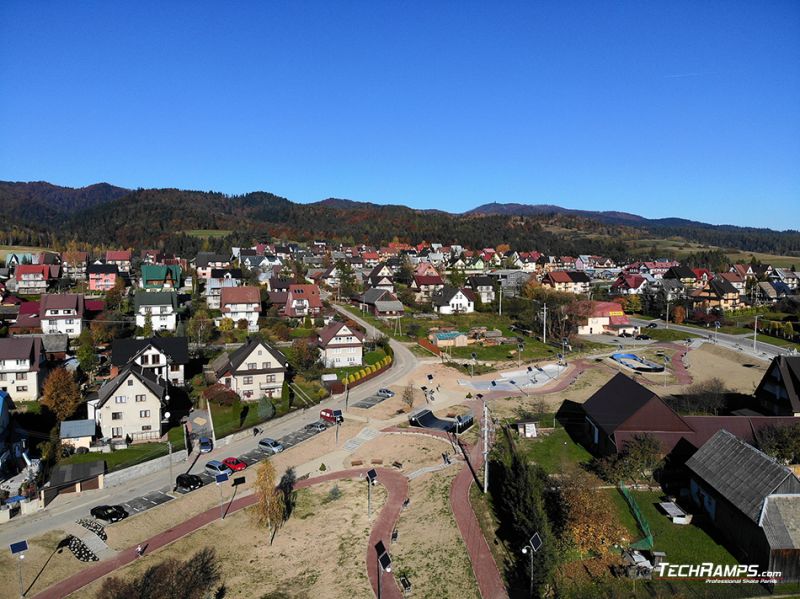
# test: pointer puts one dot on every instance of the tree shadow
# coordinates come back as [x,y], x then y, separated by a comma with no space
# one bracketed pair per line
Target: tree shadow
[286,487]
[59,548]
[243,415]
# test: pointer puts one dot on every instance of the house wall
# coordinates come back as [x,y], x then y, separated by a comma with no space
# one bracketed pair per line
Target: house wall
[162,317]
[19,382]
[78,442]
[249,312]
[70,326]
[131,423]
[334,356]
[102,282]
[173,372]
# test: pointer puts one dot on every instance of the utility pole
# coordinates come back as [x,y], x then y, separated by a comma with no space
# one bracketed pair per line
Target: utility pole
[544,324]
[500,310]
[485,448]
[666,326]
[755,333]
[171,480]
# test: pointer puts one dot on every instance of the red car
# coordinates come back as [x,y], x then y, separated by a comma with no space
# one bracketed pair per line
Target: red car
[234,464]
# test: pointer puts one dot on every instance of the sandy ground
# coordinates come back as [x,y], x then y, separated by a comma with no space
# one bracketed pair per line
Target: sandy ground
[739,372]
[334,569]
[42,566]
[429,549]
[413,451]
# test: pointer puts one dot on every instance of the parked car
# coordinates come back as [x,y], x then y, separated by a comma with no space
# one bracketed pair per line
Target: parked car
[235,464]
[625,334]
[215,467]
[206,445]
[188,482]
[642,337]
[385,393]
[270,445]
[331,415]
[318,426]
[652,325]
[109,513]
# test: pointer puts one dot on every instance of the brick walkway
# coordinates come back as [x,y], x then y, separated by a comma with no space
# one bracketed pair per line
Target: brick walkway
[396,486]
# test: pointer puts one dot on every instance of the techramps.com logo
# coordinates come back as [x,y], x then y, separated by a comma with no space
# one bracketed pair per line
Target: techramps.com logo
[717,573]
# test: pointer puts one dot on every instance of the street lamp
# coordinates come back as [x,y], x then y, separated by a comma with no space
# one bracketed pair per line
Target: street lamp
[19,548]
[513,382]
[384,563]
[520,347]
[472,366]
[716,331]
[531,376]
[534,544]
[372,479]
[219,479]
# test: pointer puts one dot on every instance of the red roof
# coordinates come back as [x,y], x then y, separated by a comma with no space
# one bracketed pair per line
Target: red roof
[428,280]
[240,295]
[32,269]
[307,292]
[118,255]
[559,276]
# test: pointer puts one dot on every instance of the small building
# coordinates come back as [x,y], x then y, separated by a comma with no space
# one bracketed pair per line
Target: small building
[206,261]
[752,500]
[121,258]
[102,277]
[569,281]
[483,287]
[716,294]
[380,303]
[425,286]
[302,301]
[32,279]
[78,433]
[452,300]
[22,367]
[604,317]
[62,314]
[165,357]
[340,345]
[449,339]
[160,277]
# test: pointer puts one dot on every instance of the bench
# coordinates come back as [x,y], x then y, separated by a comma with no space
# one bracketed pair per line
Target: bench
[376,461]
[356,462]
[398,465]
[406,584]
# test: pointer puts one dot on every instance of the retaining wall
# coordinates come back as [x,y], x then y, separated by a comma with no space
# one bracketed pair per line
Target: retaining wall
[112,479]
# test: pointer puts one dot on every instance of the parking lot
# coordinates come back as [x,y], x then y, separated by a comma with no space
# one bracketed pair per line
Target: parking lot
[370,402]
[145,502]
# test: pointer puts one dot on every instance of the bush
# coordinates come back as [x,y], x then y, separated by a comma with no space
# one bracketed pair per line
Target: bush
[220,395]
[322,467]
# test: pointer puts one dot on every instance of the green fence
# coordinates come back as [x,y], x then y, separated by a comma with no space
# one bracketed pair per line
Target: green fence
[644,525]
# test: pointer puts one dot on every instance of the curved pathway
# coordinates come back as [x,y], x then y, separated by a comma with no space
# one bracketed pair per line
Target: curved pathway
[396,486]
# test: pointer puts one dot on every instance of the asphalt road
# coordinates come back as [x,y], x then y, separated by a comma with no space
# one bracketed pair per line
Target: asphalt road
[149,490]
[743,343]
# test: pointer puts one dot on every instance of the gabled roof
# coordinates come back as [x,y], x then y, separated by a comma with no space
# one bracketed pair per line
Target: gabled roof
[231,362]
[421,280]
[62,301]
[203,259]
[327,334]
[444,296]
[32,269]
[679,272]
[118,255]
[624,404]
[789,371]
[781,521]
[160,272]
[240,295]
[102,269]
[739,472]
[22,348]
[155,298]
[124,350]
[480,281]
[144,375]
[73,429]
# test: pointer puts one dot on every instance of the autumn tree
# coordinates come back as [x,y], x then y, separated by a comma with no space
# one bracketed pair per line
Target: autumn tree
[200,327]
[678,314]
[305,356]
[408,396]
[61,394]
[226,325]
[115,294]
[242,324]
[270,508]
[590,520]
[147,328]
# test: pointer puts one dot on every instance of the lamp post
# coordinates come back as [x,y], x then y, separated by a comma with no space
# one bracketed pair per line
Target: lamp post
[384,563]
[19,548]
[755,333]
[472,365]
[372,479]
[666,361]
[534,544]
[219,479]
[716,331]
[513,382]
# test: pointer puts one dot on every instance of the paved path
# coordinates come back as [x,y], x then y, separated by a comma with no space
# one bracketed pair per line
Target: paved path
[396,486]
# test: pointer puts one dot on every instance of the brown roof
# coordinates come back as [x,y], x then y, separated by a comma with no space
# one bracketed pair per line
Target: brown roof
[240,295]
[62,301]
[22,348]
[330,331]
[118,255]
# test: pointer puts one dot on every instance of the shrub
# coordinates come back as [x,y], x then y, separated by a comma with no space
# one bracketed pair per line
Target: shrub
[220,395]
[322,467]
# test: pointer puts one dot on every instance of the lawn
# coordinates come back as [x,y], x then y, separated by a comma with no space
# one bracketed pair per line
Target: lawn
[370,358]
[777,341]
[669,335]
[230,419]
[534,350]
[122,458]
[553,450]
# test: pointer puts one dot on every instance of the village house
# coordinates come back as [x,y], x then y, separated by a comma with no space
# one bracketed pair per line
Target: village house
[78,433]
[22,367]
[219,279]
[752,500]
[32,279]
[380,303]
[161,306]
[254,370]
[340,345]
[786,276]
[569,281]
[655,269]
[130,406]
[62,314]
[684,274]
[735,279]
[483,287]
[121,258]
[102,277]
[241,303]
[629,285]
[604,317]
[716,294]
[425,286]
[158,277]
[165,357]
[778,392]
[206,261]
[381,277]
[302,301]
[452,300]
[73,265]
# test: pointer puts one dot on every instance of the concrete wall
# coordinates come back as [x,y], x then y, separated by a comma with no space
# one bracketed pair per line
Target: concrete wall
[113,479]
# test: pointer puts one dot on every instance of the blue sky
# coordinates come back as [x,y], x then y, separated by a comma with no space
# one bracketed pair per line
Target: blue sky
[676,108]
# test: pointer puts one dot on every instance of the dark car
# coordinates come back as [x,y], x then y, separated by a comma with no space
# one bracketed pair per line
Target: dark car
[188,482]
[317,427]
[625,334]
[643,337]
[652,325]
[109,513]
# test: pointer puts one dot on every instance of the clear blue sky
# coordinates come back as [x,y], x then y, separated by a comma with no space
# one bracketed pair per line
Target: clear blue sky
[660,108]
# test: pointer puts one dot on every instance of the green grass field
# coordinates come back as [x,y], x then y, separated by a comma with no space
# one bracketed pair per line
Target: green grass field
[10,249]
[203,233]
[122,458]
[553,451]
[669,335]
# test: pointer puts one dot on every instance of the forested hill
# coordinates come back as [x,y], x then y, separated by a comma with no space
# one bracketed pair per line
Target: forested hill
[103,215]
[751,239]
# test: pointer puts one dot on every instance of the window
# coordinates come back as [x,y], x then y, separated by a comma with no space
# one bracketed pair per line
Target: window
[141,398]
[120,399]
[156,359]
[175,367]
[144,413]
[22,376]
[116,415]
[248,380]
[22,362]
[145,360]
[130,382]
[252,366]
[2,376]
[265,365]
[270,378]
[22,389]
[147,427]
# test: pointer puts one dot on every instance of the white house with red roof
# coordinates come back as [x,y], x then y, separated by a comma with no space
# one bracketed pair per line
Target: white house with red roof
[629,285]
[570,281]
[62,313]
[122,258]
[241,303]
[604,317]
[425,286]
[340,345]
[32,279]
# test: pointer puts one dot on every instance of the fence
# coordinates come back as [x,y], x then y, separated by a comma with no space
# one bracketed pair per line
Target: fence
[338,387]
[644,525]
